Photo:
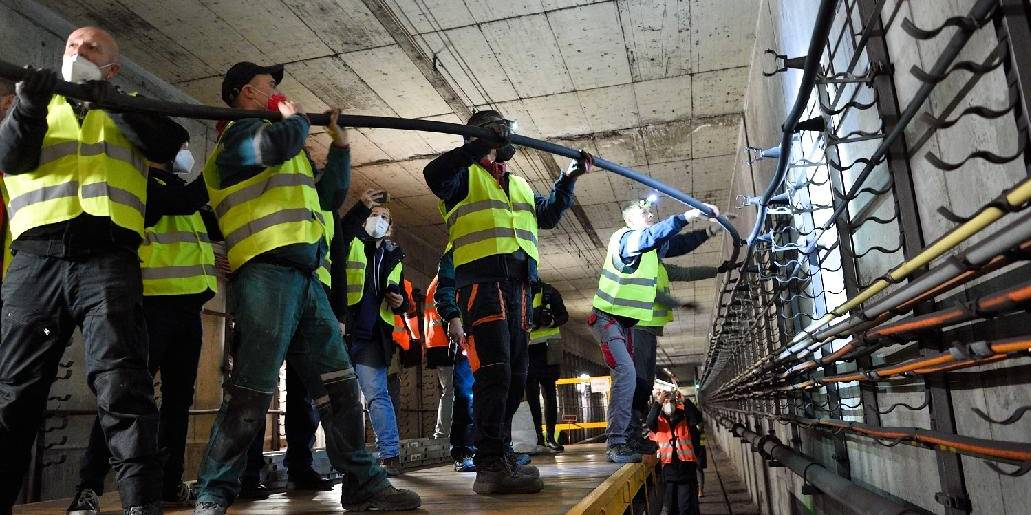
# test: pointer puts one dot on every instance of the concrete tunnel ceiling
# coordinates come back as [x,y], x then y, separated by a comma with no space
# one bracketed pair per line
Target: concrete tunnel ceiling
[653,84]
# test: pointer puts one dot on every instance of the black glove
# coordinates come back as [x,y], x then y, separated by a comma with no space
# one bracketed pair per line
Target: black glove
[582,165]
[727,266]
[502,133]
[35,90]
[101,91]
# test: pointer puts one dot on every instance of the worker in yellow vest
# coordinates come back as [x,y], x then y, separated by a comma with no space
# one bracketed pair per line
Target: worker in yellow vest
[545,362]
[492,218]
[646,332]
[374,284]
[77,180]
[626,296]
[262,189]
[178,267]
[672,423]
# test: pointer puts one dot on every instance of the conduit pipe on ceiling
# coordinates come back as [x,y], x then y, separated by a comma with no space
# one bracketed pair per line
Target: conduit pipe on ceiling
[860,500]
[1012,236]
[109,99]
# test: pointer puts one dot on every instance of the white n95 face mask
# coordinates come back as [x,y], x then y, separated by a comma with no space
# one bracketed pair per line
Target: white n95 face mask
[667,408]
[76,68]
[376,227]
[183,165]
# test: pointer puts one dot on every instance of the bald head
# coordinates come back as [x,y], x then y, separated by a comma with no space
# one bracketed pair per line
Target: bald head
[97,46]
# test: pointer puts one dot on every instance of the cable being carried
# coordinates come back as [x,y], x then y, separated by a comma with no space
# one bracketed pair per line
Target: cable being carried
[105,96]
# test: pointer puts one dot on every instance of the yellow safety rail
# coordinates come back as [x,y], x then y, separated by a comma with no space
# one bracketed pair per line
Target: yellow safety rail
[570,426]
[616,493]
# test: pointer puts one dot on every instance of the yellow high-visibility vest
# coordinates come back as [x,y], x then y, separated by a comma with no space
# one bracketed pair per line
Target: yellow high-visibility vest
[89,168]
[542,334]
[176,257]
[661,313]
[327,260]
[273,209]
[627,294]
[488,222]
[355,273]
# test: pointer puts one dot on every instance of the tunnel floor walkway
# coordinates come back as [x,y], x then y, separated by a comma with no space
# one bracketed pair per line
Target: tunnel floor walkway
[568,478]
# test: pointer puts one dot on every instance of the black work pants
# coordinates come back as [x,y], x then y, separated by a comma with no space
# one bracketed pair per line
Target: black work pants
[44,299]
[540,382]
[496,317]
[175,335]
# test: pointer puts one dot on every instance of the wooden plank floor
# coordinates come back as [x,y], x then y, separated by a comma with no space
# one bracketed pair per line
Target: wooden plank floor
[568,477]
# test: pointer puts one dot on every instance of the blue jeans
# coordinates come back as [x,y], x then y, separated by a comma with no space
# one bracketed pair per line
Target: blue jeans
[617,346]
[462,409]
[381,411]
[281,311]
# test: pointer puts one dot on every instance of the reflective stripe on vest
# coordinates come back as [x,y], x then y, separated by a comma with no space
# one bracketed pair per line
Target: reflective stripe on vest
[86,168]
[386,313]
[176,257]
[627,294]
[542,334]
[489,222]
[661,313]
[329,226]
[664,437]
[273,209]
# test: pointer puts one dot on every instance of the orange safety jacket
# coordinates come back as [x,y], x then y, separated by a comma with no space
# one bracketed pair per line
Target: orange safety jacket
[407,329]
[664,437]
[436,331]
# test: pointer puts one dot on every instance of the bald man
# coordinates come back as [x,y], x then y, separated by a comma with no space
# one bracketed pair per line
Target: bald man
[77,180]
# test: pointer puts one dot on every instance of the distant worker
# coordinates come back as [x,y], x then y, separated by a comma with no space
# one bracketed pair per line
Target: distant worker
[178,267]
[374,297]
[671,421]
[626,295]
[492,218]
[444,331]
[262,188]
[545,362]
[76,176]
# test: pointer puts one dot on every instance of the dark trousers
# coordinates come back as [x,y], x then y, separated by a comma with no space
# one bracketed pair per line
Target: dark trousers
[682,498]
[462,428]
[302,419]
[44,299]
[175,341]
[645,345]
[541,382]
[496,317]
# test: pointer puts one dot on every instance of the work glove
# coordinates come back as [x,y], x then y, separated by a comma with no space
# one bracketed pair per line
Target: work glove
[502,133]
[727,266]
[35,90]
[582,165]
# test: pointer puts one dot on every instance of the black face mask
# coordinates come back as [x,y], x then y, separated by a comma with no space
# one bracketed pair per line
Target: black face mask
[505,153]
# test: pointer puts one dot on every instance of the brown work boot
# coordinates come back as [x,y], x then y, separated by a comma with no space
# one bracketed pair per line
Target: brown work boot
[495,477]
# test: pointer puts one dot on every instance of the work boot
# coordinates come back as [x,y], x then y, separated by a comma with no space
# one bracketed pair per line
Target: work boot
[465,465]
[494,476]
[393,466]
[153,508]
[209,508]
[307,480]
[85,502]
[554,446]
[252,489]
[181,496]
[387,499]
[642,445]
[623,453]
[521,469]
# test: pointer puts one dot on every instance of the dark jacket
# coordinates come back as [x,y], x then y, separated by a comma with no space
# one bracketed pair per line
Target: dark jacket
[552,312]
[357,317]
[158,138]
[448,179]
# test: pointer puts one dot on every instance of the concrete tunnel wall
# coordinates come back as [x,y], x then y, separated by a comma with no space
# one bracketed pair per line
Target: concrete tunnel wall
[35,35]
[903,472]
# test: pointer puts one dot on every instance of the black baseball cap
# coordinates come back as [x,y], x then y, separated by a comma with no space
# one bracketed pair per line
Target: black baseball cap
[241,73]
